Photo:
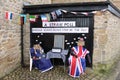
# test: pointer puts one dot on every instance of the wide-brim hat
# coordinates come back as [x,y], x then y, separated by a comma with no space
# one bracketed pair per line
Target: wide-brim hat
[81,39]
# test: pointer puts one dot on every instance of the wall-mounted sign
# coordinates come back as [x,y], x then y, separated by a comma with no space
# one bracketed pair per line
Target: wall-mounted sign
[59,24]
[61,30]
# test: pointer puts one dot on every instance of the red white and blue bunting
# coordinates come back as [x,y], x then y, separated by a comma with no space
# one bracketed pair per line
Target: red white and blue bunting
[57,13]
[47,17]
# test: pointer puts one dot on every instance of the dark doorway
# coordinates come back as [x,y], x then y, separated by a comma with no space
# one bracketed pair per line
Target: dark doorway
[47,39]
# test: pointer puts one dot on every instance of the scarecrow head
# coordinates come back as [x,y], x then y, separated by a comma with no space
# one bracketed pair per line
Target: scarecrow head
[81,42]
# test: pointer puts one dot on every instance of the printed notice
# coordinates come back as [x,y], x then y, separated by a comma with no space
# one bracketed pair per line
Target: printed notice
[61,30]
[59,24]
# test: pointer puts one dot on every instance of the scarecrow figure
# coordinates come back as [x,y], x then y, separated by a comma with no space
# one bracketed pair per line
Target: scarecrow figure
[77,61]
[39,61]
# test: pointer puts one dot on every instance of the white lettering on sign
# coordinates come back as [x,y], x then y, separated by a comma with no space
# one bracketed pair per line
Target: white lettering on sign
[59,24]
[61,30]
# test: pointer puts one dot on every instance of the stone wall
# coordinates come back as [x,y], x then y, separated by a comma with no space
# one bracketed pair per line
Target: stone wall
[9,37]
[116,3]
[112,46]
[100,37]
[71,1]
[10,34]
[106,39]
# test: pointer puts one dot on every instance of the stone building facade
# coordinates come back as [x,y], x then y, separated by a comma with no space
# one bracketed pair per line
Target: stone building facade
[106,35]
[10,34]
[106,38]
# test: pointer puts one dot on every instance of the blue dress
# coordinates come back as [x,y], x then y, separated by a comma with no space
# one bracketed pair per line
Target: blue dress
[42,64]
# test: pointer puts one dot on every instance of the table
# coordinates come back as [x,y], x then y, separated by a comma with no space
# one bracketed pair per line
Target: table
[61,55]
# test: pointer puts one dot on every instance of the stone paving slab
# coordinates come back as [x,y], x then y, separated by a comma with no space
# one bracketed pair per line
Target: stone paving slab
[115,72]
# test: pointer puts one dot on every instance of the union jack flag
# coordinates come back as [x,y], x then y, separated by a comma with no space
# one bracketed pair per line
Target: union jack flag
[77,65]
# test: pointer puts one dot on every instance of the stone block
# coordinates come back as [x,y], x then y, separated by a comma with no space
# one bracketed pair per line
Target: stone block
[102,39]
[96,55]
[100,31]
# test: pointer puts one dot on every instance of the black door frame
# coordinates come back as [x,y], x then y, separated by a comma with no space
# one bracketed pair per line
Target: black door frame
[50,36]
[75,7]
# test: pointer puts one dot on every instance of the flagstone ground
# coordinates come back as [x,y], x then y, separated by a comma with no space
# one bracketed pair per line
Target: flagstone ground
[57,73]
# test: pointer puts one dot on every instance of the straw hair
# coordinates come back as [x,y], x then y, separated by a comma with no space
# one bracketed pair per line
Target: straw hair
[80,43]
[37,46]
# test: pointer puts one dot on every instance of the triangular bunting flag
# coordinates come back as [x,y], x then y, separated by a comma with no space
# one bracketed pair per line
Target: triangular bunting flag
[8,15]
[44,18]
[32,18]
[58,12]
[48,17]
[85,13]
[54,16]
[64,11]
[23,15]
[74,13]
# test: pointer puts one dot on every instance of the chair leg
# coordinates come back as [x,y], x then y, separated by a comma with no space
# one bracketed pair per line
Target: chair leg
[30,64]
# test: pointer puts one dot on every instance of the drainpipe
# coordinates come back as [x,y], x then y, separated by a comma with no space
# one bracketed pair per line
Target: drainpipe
[22,46]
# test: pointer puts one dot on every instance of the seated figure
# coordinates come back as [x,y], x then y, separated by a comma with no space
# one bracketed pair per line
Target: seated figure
[39,61]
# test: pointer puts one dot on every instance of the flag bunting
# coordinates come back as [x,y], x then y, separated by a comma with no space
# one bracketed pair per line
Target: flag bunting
[8,15]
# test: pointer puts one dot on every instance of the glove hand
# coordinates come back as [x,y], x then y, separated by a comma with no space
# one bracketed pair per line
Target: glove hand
[76,56]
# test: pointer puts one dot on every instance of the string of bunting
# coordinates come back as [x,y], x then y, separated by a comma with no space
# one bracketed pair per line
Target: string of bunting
[57,13]
[48,16]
